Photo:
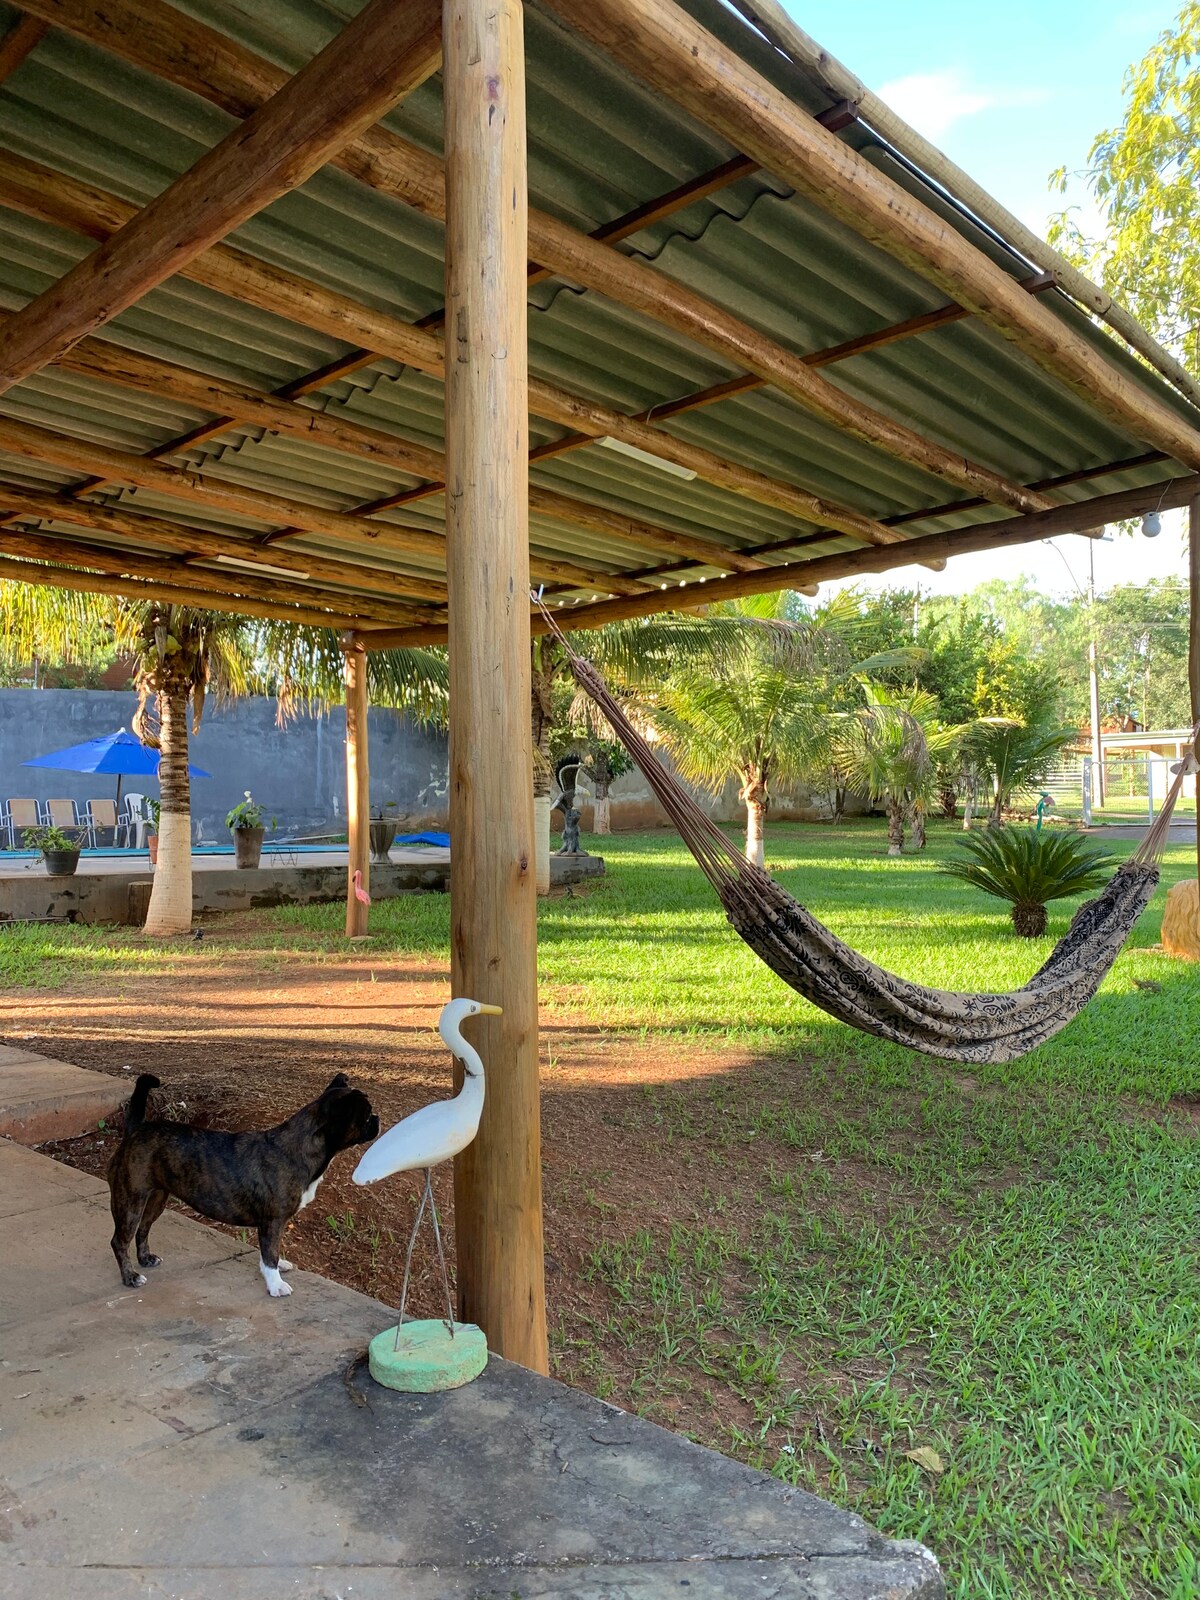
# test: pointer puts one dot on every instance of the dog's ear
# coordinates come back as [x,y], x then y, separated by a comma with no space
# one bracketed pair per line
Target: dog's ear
[340,1082]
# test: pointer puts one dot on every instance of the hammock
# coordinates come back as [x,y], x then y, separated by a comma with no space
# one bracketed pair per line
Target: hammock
[819,966]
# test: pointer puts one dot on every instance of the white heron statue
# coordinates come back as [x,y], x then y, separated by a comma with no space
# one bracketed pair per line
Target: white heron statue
[433,1134]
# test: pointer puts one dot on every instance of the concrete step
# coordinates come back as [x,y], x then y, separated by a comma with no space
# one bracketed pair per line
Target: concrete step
[41,1098]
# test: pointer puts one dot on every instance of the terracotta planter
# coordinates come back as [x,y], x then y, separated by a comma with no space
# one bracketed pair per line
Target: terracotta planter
[60,863]
[247,844]
[383,833]
[152,847]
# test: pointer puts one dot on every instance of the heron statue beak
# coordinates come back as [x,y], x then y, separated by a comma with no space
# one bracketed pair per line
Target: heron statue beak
[491,1011]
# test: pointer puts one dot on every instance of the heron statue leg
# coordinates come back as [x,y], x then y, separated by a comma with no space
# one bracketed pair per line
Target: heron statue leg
[426,1200]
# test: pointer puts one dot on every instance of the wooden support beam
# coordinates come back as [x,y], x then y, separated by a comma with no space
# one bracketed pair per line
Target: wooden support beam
[38,191]
[661,44]
[493,904]
[149,533]
[20,41]
[1082,517]
[39,444]
[1194,636]
[59,577]
[358,790]
[313,603]
[384,53]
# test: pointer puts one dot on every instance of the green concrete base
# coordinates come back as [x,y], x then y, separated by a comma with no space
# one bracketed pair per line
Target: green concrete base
[428,1360]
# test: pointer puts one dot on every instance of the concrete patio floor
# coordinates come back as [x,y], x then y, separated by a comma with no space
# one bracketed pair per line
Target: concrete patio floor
[195,1439]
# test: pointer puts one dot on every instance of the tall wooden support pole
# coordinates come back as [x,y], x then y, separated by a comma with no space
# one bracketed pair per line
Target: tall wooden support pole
[358,789]
[493,906]
[1194,640]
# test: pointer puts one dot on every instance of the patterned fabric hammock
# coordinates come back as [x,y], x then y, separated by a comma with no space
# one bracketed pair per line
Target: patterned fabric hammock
[818,965]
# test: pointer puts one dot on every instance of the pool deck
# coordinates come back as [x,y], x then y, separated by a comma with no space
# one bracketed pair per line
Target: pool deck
[195,1439]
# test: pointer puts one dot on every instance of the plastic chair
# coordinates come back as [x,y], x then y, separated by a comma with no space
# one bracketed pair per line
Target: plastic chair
[19,815]
[101,818]
[135,821]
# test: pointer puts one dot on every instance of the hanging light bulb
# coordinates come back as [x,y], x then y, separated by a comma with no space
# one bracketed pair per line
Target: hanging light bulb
[1151,525]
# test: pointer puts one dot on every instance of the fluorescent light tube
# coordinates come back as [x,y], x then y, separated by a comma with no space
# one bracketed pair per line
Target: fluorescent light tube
[644,456]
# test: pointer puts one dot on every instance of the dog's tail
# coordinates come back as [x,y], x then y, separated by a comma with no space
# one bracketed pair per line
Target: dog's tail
[135,1111]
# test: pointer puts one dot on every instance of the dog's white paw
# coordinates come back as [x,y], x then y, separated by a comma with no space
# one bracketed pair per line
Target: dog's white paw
[276,1287]
[284,1266]
[138,1281]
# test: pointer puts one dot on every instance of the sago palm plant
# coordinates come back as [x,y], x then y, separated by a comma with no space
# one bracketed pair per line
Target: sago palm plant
[1029,869]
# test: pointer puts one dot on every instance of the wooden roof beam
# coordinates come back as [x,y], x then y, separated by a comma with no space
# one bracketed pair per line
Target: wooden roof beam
[660,44]
[38,191]
[1081,517]
[203,61]
[143,532]
[60,577]
[216,580]
[384,53]
[239,403]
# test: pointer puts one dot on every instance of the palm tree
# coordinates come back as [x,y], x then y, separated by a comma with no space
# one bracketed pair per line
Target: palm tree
[1015,756]
[1028,869]
[760,718]
[888,749]
[182,654]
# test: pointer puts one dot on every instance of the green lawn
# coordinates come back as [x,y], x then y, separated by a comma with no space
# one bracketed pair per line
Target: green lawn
[997,1263]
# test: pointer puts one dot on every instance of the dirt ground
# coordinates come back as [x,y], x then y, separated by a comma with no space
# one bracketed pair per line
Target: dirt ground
[242,1040]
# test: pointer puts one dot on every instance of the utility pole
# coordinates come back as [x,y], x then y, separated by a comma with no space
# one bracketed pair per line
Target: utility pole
[1094,683]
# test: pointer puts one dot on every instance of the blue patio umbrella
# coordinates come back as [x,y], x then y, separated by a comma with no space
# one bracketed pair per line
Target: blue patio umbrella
[118,754]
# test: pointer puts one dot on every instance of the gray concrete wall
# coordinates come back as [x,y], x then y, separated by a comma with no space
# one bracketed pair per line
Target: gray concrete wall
[296,773]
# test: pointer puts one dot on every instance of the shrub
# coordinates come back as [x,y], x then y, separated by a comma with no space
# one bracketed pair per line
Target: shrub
[1029,869]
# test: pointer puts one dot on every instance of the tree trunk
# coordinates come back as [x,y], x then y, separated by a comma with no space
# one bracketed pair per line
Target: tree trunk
[949,801]
[1029,919]
[601,808]
[917,823]
[996,814]
[969,805]
[895,816]
[542,726]
[756,800]
[170,909]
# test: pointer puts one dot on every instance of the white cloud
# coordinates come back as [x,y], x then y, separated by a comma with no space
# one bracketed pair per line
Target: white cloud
[932,102]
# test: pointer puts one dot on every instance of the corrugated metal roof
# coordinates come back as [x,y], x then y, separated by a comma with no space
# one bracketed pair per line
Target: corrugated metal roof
[600,143]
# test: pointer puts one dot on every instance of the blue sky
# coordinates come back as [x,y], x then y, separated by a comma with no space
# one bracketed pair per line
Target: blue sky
[1009,93]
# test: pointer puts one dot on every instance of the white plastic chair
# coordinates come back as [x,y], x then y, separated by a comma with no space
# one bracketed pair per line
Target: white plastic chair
[135,821]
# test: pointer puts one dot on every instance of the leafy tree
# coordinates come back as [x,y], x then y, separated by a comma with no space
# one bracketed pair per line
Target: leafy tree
[1145,176]
[1014,756]
[888,749]
[1142,649]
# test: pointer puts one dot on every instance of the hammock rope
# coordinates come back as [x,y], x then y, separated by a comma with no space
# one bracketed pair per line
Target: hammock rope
[821,967]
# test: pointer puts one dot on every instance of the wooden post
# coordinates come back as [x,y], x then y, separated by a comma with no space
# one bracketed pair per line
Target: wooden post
[358,788]
[493,906]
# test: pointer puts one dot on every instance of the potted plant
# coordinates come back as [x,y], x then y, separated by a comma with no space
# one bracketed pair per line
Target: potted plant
[60,849]
[382,830]
[155,809]
[245,822]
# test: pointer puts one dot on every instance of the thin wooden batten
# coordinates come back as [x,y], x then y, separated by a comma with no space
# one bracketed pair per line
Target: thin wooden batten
[40,192]
[1081,517]
[384,53]
[660,43]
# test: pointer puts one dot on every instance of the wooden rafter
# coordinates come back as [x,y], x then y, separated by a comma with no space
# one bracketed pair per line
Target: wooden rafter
[1081,517]
[215,580]
[384,53]
[38,191]
[661,44]
[143,531]
[239,403]
[233,78]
